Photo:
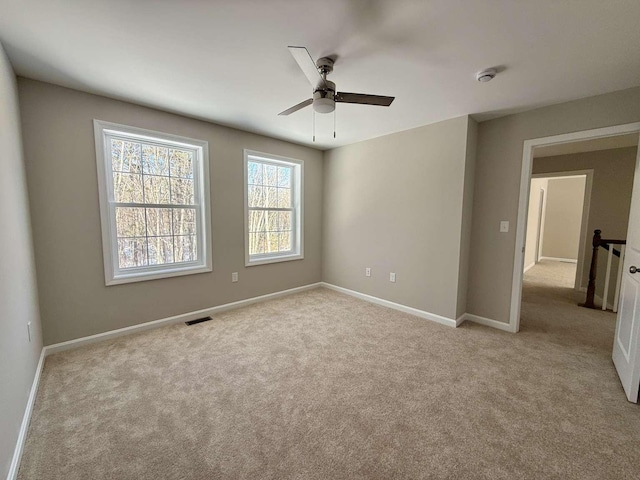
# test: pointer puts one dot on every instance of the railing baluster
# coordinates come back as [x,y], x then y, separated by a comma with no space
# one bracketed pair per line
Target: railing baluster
[607,277]
[591,288]
[607,244]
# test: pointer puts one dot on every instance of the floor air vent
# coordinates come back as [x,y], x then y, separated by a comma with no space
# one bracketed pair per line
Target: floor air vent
[198,320]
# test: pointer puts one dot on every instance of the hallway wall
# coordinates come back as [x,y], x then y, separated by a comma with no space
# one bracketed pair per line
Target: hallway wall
[533,224]
[563,218]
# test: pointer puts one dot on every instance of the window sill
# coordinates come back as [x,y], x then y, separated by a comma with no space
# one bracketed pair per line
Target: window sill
[278,259]
[146,276]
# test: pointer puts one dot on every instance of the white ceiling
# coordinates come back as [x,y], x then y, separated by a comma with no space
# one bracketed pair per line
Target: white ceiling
[227,61]
[593,145]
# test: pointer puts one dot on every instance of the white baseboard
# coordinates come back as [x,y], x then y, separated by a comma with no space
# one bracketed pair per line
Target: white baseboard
[185,317]
[558,259]
[488,322]
[26,418]
[396,306]
[527,268]
[423,314]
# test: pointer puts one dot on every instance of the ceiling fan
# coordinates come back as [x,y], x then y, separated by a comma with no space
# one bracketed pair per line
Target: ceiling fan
[324,91]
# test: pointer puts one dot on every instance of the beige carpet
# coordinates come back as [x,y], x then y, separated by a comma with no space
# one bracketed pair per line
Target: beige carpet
[323,386]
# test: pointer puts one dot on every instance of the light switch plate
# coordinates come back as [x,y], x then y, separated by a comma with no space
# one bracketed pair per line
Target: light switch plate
[392,277]
[234,277]
[504,226]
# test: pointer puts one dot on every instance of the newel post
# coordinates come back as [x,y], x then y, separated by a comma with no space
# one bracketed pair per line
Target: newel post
[591,289]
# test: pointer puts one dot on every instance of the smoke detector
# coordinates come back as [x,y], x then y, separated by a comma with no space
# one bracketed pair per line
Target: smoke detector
[486,75]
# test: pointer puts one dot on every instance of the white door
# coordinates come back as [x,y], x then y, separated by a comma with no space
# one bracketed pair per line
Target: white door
[626,344]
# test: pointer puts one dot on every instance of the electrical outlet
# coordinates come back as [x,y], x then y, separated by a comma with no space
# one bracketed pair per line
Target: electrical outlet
[234,277]
[504,226]
[367,272]
[392,277]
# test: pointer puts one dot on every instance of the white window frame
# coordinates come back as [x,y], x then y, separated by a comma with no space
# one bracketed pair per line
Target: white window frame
[297,194]
[113,274]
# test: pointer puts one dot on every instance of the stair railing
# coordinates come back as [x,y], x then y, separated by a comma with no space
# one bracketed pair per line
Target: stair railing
[607,244]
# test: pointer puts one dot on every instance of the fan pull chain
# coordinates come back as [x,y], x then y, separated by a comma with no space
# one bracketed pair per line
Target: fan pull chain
[314,125]
[334,122]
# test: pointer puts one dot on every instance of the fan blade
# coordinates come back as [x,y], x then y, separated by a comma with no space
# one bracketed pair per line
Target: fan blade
[364,99]
[297,107]
[302,56]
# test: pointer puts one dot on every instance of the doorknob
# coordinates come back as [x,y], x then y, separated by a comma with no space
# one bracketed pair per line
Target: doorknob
[633,269]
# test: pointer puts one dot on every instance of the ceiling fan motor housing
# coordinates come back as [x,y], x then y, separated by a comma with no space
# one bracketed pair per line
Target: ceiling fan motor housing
[324,98]
[325,65]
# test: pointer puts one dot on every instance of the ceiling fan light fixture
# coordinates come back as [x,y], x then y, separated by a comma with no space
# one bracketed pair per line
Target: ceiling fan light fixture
[324,105]
[325,95]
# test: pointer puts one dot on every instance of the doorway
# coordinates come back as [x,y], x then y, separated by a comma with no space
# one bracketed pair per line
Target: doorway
[623,329]
[557,221]
[555,145]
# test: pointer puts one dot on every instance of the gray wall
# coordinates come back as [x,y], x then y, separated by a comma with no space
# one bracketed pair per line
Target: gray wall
[18,293]
[467,216]
[538,185]
[497,186]
[397,203]
[63,190]
[563,218]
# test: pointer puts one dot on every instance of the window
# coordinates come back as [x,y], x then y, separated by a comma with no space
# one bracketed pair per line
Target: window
[154,202]
[273,208]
